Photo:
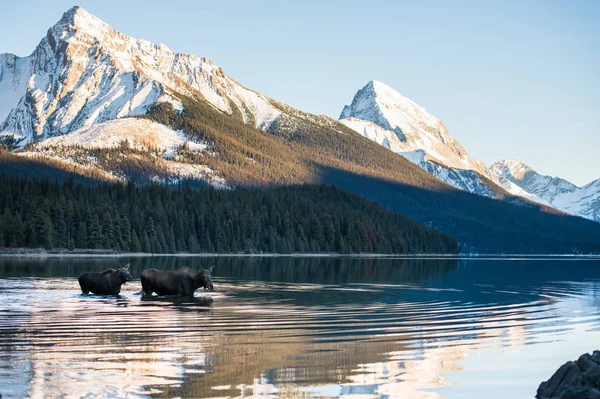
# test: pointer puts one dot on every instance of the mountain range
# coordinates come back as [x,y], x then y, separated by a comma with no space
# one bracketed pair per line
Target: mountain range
[94,102]
[383,115]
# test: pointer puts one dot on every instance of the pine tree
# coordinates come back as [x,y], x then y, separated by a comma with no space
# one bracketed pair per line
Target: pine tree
[81,238]
[171,246]
[43,229]
[95,238]
[146,245]
[136,246]
[125,233]
[61,238]
[108,231]
[192,244]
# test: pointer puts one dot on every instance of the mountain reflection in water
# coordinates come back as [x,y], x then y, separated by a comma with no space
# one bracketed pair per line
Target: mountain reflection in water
[298,327]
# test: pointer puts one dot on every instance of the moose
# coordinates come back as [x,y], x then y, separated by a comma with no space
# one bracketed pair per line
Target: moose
[183,281]
[106,283]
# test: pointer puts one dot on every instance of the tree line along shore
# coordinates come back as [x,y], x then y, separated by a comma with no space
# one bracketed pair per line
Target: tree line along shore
[49,214]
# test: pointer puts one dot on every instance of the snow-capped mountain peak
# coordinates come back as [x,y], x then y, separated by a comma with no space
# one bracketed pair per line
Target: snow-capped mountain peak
[77,17]
[401,125]
[85,72]
[384,106]
[385,116]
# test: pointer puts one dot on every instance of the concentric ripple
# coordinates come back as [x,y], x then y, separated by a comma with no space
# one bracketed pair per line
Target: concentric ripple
[376,338]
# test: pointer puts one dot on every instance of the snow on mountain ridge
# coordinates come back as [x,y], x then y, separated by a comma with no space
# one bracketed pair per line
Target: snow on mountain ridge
[140,134]
[13,84]
[524,176]
[512,167]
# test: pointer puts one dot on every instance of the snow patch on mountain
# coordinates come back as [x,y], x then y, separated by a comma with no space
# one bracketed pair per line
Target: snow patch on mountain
[180,170]
[13,81]
[514,189]
[157,141]
[462,179]
[141,134]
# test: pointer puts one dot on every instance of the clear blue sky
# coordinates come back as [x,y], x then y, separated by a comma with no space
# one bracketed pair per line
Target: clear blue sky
[511,79]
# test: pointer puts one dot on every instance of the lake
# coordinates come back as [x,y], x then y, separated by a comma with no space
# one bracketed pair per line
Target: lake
[290,327]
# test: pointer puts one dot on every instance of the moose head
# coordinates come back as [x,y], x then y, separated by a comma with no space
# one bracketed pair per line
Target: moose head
[204,278]
[123,274]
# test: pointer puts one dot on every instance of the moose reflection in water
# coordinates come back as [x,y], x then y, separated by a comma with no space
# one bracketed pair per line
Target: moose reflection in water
[108,282]
[183,281]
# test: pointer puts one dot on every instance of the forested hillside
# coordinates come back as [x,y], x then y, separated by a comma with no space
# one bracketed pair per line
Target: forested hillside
[292,153]
[158,219]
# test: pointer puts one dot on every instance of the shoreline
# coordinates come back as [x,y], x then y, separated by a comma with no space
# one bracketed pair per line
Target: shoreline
[92,253]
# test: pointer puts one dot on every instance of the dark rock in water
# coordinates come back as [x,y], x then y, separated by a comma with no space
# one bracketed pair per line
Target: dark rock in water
[574,380]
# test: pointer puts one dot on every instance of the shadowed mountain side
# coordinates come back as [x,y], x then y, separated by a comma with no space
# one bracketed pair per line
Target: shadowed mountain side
[480,224]
[14,165]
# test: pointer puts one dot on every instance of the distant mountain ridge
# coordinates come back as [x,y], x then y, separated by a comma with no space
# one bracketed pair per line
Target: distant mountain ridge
[561,194]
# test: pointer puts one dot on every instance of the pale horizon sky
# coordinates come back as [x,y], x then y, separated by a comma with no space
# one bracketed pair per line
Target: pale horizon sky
[513,79]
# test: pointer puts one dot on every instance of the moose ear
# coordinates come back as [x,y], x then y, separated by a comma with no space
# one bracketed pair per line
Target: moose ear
[126,267]
[211,269]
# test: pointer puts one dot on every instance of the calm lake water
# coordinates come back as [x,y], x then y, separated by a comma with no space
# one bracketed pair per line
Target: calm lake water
[298,328]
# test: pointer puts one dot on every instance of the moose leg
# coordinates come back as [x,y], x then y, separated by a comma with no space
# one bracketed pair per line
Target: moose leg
[84,285]
[146,287]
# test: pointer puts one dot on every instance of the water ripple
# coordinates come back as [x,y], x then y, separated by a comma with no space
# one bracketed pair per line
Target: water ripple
[273,339]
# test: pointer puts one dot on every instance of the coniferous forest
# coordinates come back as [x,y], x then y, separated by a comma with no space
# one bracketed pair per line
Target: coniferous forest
[158,219]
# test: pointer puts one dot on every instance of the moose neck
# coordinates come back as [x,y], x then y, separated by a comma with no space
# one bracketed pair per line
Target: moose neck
[116,277]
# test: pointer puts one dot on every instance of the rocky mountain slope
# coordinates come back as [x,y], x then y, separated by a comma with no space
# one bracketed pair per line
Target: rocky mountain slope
[559,193]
